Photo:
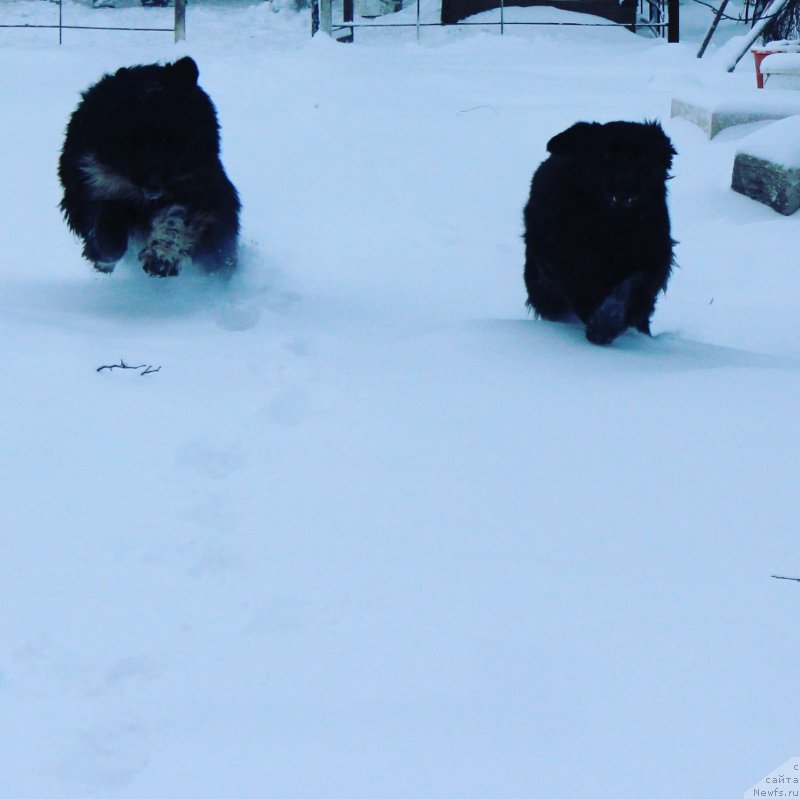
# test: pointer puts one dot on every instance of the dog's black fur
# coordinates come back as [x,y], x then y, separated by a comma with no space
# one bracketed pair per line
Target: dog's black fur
[140,162]
[597,231]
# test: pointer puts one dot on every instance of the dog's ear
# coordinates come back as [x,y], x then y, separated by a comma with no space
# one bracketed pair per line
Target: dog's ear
[661,144]
[572,139]
[186,71]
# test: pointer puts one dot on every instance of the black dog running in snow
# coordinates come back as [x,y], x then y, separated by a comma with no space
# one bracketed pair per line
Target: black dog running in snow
[597,228]
[140,163]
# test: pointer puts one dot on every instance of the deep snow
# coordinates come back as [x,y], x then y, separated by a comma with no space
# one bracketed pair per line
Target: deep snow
[372,531]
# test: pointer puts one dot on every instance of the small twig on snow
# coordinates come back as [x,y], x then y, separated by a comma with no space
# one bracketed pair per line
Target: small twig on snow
[120,365]
[479,108]
[148,370]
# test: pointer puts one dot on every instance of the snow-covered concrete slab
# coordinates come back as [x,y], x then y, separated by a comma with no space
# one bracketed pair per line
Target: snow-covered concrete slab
[767,166]
[716,109]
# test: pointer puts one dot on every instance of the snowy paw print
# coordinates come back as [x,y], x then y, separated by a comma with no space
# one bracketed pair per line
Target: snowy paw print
[238,317]
[106,757]
[126,671]
[289,407]
[216,461]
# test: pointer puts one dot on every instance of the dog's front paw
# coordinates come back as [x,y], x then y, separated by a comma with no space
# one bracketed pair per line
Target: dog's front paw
[607,322]
[159,264]
[163,257]
[169,246]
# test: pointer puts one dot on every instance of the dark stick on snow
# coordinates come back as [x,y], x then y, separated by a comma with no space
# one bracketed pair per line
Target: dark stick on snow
[148,370]
[778,577]
[120,365]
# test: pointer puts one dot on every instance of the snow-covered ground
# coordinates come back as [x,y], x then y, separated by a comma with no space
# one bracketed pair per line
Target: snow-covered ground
[372,531]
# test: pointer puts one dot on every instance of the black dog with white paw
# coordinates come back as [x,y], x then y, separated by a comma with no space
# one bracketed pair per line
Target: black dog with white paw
[140,164]
[597,229]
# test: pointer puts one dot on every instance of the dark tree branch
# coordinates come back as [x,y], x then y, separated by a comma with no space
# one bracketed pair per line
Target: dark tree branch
[739,18]
[778,577]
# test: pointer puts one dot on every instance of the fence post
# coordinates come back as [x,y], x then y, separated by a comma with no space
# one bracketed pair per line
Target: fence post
[674,21]
[326,16]
[321,17]
[348,11]
[180,20]
[60,22]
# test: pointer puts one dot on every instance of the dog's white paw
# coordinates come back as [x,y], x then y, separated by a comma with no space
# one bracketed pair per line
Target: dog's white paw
[169,247]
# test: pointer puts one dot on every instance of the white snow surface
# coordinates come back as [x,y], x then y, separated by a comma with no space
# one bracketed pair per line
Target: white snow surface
[743,100]
[372,531]
[781,62]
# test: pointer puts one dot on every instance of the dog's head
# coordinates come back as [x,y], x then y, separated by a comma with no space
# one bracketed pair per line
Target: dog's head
[169,129]
[619,164]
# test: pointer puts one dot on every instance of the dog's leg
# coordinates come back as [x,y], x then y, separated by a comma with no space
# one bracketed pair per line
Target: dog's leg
[215,223]
[169,246]
[216,242]
[544,296]
[107,237]
[613,315]
[642,306]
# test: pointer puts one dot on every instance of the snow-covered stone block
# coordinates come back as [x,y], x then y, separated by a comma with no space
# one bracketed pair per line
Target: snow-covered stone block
[767,166]
[781,71]
[714,110]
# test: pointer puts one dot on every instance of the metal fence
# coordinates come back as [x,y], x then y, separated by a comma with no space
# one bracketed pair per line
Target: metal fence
[661,17]
[178,29]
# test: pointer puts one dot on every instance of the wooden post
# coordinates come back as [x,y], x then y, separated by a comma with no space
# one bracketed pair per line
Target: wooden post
[348,11]
[326,16]
[180,20]
[674,21]
[321,17]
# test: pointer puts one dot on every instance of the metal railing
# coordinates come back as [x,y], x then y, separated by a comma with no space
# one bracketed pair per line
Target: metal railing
[178,29]
[659,16]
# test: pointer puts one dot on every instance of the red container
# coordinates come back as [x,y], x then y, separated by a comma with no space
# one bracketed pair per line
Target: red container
[759,54]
